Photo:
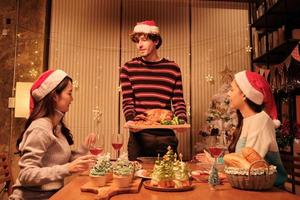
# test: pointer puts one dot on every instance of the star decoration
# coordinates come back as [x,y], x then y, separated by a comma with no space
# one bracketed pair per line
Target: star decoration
[226,75]
[75,84]
[209,78]
[33,72]
[188,110]
[97,114]
[248,49]
[119,89]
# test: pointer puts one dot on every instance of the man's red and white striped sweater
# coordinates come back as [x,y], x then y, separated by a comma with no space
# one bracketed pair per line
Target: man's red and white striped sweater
[148,85]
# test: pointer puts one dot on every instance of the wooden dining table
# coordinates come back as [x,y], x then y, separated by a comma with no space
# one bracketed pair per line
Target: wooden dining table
[202,191]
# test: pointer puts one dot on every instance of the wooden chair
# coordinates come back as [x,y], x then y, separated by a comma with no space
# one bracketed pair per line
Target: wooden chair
[292,166]
[296,171]
[5,173]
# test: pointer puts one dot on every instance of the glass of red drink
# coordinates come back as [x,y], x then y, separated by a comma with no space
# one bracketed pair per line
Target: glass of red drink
[117,142]
[97,148]
[217,147]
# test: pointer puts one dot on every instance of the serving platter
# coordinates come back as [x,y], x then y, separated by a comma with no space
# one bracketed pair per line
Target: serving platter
[148,186]
[145,174]
[179,126]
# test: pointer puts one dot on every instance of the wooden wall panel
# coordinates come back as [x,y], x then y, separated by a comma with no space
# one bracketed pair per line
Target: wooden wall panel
[90,39]
[219,39]
[85,43]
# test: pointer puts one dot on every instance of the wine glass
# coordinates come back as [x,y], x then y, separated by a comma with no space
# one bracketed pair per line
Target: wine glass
[117,142]
[217,147]
[97,148]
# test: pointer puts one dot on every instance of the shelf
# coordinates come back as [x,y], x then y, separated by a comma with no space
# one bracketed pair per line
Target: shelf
[278,54]
[278,15]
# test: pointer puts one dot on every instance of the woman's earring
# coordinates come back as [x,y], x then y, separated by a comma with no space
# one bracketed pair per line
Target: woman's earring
[244,98]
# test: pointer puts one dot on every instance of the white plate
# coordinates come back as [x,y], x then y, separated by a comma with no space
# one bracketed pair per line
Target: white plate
[141,173]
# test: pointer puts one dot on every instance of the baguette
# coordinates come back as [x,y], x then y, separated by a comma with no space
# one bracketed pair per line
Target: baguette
[236,160]
[251,156]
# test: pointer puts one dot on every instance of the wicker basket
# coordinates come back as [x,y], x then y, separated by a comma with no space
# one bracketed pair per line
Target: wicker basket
[253,182]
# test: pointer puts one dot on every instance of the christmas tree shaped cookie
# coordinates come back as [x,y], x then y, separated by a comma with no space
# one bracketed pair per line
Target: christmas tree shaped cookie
[170,172]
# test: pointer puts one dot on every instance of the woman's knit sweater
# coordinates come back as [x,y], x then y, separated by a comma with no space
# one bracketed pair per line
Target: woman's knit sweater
[44,159]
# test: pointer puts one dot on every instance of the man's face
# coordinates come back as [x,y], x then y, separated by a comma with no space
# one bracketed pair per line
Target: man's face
[145,45]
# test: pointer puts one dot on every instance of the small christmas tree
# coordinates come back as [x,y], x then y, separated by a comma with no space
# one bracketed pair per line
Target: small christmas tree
[213,178]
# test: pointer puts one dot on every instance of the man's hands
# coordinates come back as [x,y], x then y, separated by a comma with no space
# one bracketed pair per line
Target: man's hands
[127,124]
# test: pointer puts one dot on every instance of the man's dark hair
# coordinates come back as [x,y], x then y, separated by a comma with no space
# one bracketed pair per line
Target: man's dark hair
[154,37]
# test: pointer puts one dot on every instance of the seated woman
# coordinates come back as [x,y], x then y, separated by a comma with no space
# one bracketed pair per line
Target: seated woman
[44,146]
[251,95]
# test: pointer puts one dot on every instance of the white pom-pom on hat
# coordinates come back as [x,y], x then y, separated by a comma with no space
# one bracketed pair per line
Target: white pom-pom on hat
[276,122]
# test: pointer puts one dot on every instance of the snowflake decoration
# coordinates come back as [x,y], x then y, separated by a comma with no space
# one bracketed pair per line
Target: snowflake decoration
[119,89]
[188,110]
[97,114]
[209,78]
[33,72]
[248,49]
[76,84]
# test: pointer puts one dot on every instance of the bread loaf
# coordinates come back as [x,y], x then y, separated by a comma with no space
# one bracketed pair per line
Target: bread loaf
[251,156]
[236,160]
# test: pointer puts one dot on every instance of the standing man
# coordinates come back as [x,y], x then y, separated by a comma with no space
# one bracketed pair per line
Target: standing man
[150,82]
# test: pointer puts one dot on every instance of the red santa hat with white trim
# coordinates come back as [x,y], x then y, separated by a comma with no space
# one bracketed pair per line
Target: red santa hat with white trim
[256,88]
[148,27]
[47,82]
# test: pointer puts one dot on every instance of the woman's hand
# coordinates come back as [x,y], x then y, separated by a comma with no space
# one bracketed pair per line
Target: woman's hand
[89,140]
[81,163]
[203,158]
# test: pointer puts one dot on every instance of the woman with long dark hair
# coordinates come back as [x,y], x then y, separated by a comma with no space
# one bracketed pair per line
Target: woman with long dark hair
[44,145]
[251,95]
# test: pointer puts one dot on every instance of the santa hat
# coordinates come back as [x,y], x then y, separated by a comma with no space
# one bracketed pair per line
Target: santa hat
[256,88]
[47,82]
[148,27]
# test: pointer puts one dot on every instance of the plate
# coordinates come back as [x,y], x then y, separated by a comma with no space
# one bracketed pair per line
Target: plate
[202,176]
[143,174]
[147,160]
[148,186]
[179,126]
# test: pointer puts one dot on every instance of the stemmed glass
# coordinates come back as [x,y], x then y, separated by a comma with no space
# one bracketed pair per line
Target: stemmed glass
[117,142]
[97,148]
[217,147]
[216,151]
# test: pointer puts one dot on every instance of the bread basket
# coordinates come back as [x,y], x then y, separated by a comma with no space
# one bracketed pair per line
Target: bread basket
[252,179]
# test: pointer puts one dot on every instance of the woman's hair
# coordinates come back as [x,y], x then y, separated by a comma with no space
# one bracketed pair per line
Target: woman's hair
[237,133]
[154,37]
[46,108]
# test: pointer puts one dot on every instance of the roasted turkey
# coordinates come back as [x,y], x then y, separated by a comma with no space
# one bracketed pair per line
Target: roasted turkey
[153,117]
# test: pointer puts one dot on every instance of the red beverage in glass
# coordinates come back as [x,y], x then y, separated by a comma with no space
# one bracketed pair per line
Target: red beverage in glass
[215,151]
[117,146]
[96,150]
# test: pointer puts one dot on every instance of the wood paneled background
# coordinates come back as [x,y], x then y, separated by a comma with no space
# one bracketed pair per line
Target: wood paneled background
[90,40]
